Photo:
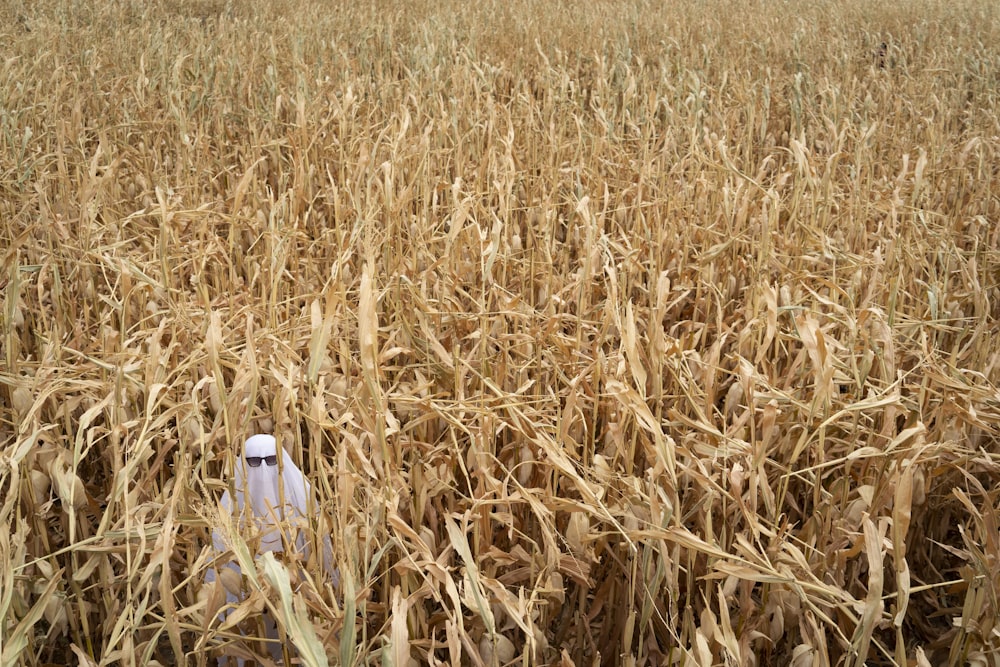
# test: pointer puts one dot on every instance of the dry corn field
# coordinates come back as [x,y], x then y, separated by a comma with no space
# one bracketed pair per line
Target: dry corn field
[607,333]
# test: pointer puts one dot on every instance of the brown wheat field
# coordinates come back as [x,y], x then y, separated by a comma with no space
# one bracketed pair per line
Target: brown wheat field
[607,333]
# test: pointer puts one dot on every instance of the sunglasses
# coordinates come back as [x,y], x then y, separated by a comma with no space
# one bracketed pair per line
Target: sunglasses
[254,461]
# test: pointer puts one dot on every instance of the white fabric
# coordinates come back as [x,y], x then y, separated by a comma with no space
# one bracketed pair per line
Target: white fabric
[263,484]
[278,523]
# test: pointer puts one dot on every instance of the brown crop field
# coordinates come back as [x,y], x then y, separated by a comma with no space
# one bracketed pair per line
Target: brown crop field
[606,333]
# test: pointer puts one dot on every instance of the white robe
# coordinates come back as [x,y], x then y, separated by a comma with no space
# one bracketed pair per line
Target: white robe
[278,523]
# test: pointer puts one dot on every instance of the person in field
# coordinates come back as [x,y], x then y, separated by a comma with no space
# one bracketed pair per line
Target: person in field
[271,508]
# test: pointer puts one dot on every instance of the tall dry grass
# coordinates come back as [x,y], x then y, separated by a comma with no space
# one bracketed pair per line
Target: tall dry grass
[606,333]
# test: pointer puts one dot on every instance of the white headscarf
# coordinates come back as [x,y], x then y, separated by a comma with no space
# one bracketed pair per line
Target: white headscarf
[264,485]
[271,499]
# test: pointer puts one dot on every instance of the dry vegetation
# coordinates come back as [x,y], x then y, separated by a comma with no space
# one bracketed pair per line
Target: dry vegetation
[606,332]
